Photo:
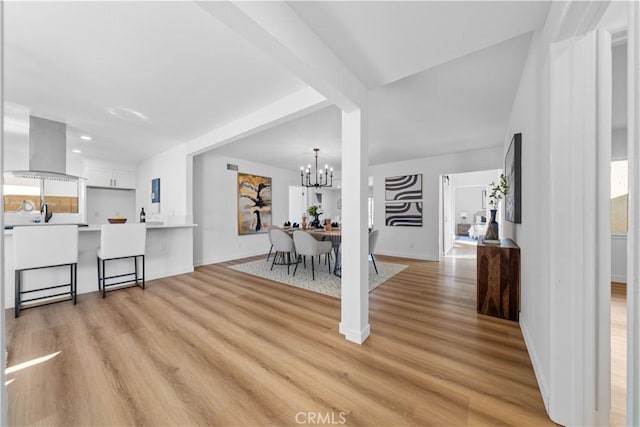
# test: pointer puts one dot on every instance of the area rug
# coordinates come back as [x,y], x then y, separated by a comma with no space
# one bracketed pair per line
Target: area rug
[325,283]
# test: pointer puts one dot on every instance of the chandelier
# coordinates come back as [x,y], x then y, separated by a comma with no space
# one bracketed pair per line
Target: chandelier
[305,176]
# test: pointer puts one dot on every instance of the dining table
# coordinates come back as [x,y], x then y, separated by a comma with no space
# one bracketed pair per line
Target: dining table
[334,235]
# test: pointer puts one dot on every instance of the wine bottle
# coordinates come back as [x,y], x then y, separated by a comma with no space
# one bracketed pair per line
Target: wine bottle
[143,216]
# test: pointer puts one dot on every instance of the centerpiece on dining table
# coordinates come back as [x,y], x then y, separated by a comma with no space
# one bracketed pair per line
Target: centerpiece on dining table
[314,211]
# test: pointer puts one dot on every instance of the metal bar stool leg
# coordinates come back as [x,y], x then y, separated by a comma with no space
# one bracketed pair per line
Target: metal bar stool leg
[99,283]
[75,283]
[104,281]
[16,307]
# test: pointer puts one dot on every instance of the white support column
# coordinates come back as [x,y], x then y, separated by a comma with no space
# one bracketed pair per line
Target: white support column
[580,256]
[633,234]
[354,324]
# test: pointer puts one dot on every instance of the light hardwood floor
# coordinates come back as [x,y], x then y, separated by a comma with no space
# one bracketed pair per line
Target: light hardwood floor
[221,347]
[618,354]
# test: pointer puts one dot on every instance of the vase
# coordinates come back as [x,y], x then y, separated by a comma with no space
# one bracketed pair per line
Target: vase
[316,221]
[492,227]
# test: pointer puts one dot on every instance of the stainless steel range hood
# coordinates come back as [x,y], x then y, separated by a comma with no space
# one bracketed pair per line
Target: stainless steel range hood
[47,151]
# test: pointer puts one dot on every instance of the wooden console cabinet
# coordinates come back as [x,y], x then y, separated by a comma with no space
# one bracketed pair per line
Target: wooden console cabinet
[499,279]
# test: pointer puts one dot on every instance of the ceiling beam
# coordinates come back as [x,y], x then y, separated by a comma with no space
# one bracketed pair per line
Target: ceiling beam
[278,32]
[298,104]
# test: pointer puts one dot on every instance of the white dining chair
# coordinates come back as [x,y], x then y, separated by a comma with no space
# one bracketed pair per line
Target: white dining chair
[284,247]
[306,244]
[273,227]
[121,241]
[45,246]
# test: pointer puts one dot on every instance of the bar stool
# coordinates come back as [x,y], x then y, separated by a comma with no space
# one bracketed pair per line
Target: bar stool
[45,246]
[120,241]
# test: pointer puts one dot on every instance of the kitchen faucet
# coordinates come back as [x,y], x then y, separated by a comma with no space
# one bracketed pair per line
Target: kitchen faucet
[44,210]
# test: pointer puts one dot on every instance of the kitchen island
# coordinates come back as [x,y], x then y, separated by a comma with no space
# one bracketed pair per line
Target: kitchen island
[169,251]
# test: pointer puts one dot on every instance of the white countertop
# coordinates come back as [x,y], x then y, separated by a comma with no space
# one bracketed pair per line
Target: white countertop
[97,227]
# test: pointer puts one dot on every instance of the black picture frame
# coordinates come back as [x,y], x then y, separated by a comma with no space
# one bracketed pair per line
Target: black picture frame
[513,174]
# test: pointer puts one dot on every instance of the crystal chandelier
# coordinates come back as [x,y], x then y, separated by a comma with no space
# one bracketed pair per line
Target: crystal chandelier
[305,176]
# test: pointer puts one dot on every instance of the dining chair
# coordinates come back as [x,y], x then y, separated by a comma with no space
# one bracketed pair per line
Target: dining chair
[273,227]
[284,247]
[306,244]
[373,241]
[121,241]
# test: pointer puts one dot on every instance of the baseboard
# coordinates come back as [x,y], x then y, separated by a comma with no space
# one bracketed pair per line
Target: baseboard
[175,272]
[409,255]
[353,335]
[535,361]
[227,257]
[620,278]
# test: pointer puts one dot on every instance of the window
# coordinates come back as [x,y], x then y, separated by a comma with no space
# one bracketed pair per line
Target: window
[619,196]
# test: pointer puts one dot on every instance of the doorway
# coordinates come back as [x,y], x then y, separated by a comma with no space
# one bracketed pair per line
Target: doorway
[464,212]
[619,228]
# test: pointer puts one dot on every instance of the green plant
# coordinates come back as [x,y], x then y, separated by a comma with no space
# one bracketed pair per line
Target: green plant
[314,210]
[498,191]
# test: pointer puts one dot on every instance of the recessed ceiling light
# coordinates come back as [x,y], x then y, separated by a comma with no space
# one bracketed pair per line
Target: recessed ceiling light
[85,137]
[127,113]
[76,151]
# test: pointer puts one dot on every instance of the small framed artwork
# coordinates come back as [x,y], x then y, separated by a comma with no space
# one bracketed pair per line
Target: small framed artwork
[155,190]
[405,187]
[513,173]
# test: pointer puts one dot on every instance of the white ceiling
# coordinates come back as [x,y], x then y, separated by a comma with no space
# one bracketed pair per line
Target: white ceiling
[443,74]
[290,145]
[382,42]
[171,61]
[461,105]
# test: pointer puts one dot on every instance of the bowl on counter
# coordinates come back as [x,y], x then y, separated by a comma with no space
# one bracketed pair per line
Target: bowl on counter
[117,220]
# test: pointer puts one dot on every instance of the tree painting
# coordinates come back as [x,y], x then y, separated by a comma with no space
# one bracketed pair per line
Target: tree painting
[254,204]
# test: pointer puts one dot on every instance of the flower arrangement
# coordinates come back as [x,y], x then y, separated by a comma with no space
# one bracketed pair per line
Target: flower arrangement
[498,191]
[314,211]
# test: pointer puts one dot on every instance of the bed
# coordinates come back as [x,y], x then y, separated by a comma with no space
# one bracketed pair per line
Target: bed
[479,225]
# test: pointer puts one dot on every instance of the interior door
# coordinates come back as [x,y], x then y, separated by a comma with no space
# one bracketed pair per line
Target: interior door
[447,218]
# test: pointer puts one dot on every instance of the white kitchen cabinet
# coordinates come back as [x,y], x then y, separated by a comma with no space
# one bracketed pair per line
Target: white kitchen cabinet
[110,178]
[124,179]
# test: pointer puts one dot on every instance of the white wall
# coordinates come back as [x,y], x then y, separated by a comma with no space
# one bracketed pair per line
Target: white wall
[297,203]
[619,240]
[422,242]
[619,144]
[329,202]
[469,200]
[550,309]
[619,258]
[619,152]
[103,203]
[530,117]
[468,192]
[171,167]
[215,207]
